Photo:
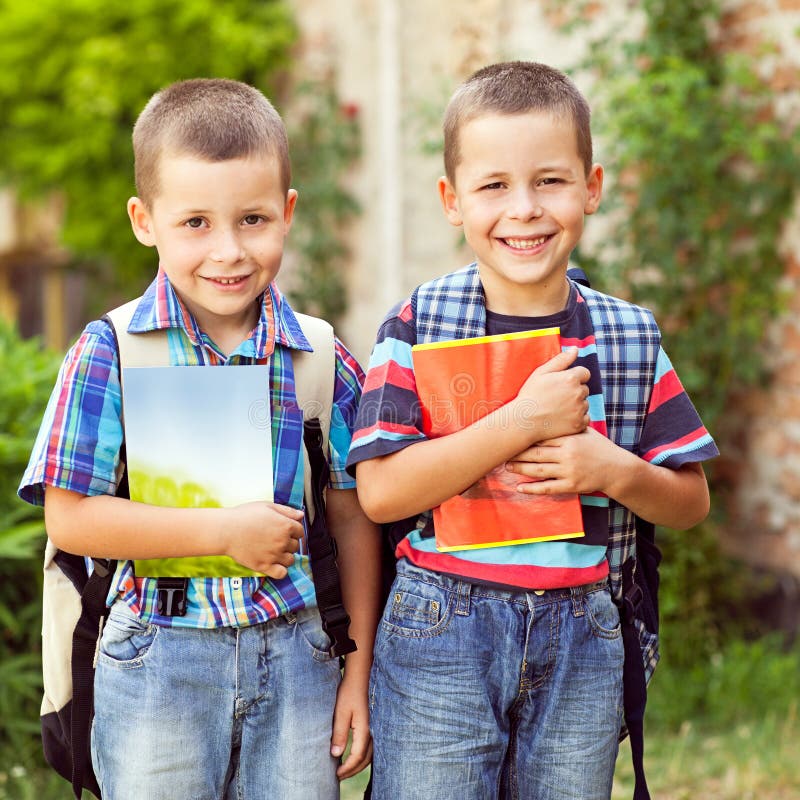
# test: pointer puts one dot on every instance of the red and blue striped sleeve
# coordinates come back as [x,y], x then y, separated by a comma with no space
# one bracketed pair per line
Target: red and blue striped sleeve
[389,416]
[673,432]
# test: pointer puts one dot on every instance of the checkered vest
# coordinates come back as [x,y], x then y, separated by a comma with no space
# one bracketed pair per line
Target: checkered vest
[628,341]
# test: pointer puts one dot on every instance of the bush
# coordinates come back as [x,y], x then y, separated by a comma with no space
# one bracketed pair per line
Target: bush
[28,374]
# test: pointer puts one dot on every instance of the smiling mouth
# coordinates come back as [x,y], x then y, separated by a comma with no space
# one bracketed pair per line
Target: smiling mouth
[526,244]
[228,281]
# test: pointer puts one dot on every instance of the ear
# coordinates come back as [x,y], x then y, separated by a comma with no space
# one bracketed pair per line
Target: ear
[594,186]
[141,222]
[447,194]
[288,209]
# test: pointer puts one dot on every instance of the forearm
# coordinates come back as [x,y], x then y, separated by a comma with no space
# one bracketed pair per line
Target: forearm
[358,542]
[114,527]
[674,498]
[425,474]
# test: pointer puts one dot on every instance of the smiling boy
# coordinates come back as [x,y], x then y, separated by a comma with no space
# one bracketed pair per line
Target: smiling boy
[230,697]
[498,671]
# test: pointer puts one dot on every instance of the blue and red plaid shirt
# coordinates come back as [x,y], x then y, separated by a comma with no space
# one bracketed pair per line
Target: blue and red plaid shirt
[78,446]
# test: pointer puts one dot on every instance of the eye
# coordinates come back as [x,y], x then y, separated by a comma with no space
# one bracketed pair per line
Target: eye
[253,219]
[549,181]
[493,186]
[195,222]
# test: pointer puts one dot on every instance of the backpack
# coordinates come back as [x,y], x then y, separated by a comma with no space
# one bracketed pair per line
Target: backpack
[74,596]
[633,555]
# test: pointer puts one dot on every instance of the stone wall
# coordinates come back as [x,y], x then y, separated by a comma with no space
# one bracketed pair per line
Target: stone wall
[763,463]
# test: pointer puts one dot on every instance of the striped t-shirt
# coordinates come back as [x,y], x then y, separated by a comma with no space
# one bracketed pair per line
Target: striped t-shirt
[390,419]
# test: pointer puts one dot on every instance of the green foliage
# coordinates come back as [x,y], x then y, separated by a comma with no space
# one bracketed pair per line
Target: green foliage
[706,598]
[702,182]
[325,141]
[27,375]
[74,75]
[744,681]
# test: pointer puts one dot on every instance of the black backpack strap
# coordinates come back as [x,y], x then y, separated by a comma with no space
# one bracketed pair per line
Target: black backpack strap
[634,682]
[84,647]
[322,548]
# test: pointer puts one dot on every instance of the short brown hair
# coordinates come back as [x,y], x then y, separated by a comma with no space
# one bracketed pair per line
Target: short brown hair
[515,87]
[211,118]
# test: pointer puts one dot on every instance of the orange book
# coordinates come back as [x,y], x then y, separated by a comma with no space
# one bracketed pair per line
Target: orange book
[460,382]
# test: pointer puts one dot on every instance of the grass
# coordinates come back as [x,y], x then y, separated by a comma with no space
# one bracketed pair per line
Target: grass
[756,759]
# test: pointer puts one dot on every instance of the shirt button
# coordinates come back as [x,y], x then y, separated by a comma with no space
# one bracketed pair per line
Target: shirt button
[236,583]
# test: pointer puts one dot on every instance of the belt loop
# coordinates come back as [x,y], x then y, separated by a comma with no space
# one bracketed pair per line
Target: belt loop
[577,594]
[463,597]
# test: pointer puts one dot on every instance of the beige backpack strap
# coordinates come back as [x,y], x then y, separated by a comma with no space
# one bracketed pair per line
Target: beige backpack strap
[314,375]
[149,349]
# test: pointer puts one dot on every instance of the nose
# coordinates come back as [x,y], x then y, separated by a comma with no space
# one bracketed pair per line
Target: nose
[525,204]
[227,248]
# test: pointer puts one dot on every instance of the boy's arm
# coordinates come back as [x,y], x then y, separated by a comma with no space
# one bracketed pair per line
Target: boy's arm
[358,542]
[589,462]
[421,476]
[260,535]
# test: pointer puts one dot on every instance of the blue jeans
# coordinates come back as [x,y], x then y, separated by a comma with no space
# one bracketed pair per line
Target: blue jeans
[202,714]
[479,693]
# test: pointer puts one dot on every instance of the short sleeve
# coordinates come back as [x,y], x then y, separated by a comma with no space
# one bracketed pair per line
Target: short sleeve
[347,387]
[673,432]
[389,417]
[78,444]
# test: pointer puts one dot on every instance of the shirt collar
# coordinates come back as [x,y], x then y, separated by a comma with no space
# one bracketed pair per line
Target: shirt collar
[160,308]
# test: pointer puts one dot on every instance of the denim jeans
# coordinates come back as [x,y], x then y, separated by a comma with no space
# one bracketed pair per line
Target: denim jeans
[205,714]
[480,693]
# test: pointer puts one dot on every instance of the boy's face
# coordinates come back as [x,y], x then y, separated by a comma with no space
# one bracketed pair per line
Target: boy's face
[219,228]
[521,193]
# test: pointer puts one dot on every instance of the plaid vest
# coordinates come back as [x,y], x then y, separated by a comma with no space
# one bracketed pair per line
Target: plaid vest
[628,342]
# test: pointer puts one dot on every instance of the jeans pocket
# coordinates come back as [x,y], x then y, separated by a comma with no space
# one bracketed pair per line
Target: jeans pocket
[126,640]
[602,614]
[309,624]
[417,608]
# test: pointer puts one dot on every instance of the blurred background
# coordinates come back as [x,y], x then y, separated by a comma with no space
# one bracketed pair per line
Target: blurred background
[696,110]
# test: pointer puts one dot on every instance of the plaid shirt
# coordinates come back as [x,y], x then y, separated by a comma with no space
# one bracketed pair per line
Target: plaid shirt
[81,434]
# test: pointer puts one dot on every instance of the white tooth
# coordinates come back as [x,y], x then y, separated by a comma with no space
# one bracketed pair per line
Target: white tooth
[526,244]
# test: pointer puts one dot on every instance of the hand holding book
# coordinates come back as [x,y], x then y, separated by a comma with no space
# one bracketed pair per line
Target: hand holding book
[264,536]
[462,381]
[553,400]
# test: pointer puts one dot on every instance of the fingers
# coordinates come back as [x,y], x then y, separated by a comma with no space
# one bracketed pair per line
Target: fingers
[339,734]
[558,362]
[546,487]
[276,572]
[287,511]
[538,470]
[359,756]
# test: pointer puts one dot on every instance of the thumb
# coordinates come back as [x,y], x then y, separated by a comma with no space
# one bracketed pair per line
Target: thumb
[339,733]
[558,362]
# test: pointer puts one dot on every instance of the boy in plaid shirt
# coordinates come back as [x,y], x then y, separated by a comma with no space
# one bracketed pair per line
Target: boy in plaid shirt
[240,696]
